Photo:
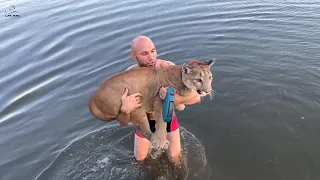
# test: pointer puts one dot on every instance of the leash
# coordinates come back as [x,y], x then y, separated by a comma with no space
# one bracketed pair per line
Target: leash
[168,105]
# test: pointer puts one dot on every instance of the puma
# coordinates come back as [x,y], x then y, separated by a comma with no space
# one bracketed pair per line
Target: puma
[105,104]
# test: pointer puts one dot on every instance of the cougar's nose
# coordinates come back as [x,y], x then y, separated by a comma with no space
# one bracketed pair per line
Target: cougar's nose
[200,92]
[208,91]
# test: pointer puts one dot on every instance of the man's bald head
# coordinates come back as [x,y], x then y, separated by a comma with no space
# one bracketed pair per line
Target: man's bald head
[143,51]
[138,41]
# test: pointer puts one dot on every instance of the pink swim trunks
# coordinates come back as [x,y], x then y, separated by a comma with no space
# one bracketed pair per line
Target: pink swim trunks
[172,126]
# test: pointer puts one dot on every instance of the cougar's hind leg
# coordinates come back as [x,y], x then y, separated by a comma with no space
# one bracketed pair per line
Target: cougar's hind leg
[98,113]
[159,138]
[140,120]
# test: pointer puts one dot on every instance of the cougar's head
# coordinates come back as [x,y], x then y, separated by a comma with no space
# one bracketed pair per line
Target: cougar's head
[197,75]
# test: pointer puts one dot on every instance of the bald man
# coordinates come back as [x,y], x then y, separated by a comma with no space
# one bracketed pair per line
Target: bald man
[144,53]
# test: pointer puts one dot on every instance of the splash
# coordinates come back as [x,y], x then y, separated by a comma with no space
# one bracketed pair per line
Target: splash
[108,154]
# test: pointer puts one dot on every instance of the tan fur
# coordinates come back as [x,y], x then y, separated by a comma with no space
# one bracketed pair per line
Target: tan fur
[106,102]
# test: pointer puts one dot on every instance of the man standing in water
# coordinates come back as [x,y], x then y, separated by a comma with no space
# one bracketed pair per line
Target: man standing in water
[144,53]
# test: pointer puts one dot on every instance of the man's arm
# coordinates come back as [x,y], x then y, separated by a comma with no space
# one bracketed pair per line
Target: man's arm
[123,118]
[192,98]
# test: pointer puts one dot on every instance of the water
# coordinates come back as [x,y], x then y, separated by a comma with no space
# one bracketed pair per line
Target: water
[107,154]
[263,122]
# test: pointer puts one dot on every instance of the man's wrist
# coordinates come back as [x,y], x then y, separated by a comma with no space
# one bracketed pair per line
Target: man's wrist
[124,111]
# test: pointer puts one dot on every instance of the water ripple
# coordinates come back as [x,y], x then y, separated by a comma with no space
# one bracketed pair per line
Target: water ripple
[266,75]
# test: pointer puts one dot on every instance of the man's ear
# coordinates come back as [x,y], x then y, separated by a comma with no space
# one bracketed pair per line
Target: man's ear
[133,56]
[210,62]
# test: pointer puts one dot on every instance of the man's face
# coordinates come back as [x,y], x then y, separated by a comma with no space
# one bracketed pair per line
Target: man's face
[145,54]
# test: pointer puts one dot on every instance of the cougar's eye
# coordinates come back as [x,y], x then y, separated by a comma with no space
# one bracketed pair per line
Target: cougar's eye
[198,80]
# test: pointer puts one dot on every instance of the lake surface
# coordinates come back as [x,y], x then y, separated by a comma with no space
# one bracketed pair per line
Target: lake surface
[262,123]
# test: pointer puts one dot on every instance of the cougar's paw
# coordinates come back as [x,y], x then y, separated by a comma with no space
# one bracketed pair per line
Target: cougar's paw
[179,107]
[159,142]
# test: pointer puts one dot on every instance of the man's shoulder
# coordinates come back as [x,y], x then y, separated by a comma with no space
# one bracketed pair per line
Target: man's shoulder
[132,67]
[165,61]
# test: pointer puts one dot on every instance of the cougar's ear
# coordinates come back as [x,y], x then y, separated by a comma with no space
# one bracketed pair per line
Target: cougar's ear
[210,62]
[186,69]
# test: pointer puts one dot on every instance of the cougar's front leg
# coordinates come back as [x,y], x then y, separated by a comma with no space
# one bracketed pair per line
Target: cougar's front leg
[180,107]
[159,138]
[139,120]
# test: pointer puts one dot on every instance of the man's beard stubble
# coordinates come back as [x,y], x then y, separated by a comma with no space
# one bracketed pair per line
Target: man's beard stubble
[145,65]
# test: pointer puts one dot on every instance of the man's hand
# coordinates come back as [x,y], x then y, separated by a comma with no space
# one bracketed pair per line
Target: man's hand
[163,92]
[131,102]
